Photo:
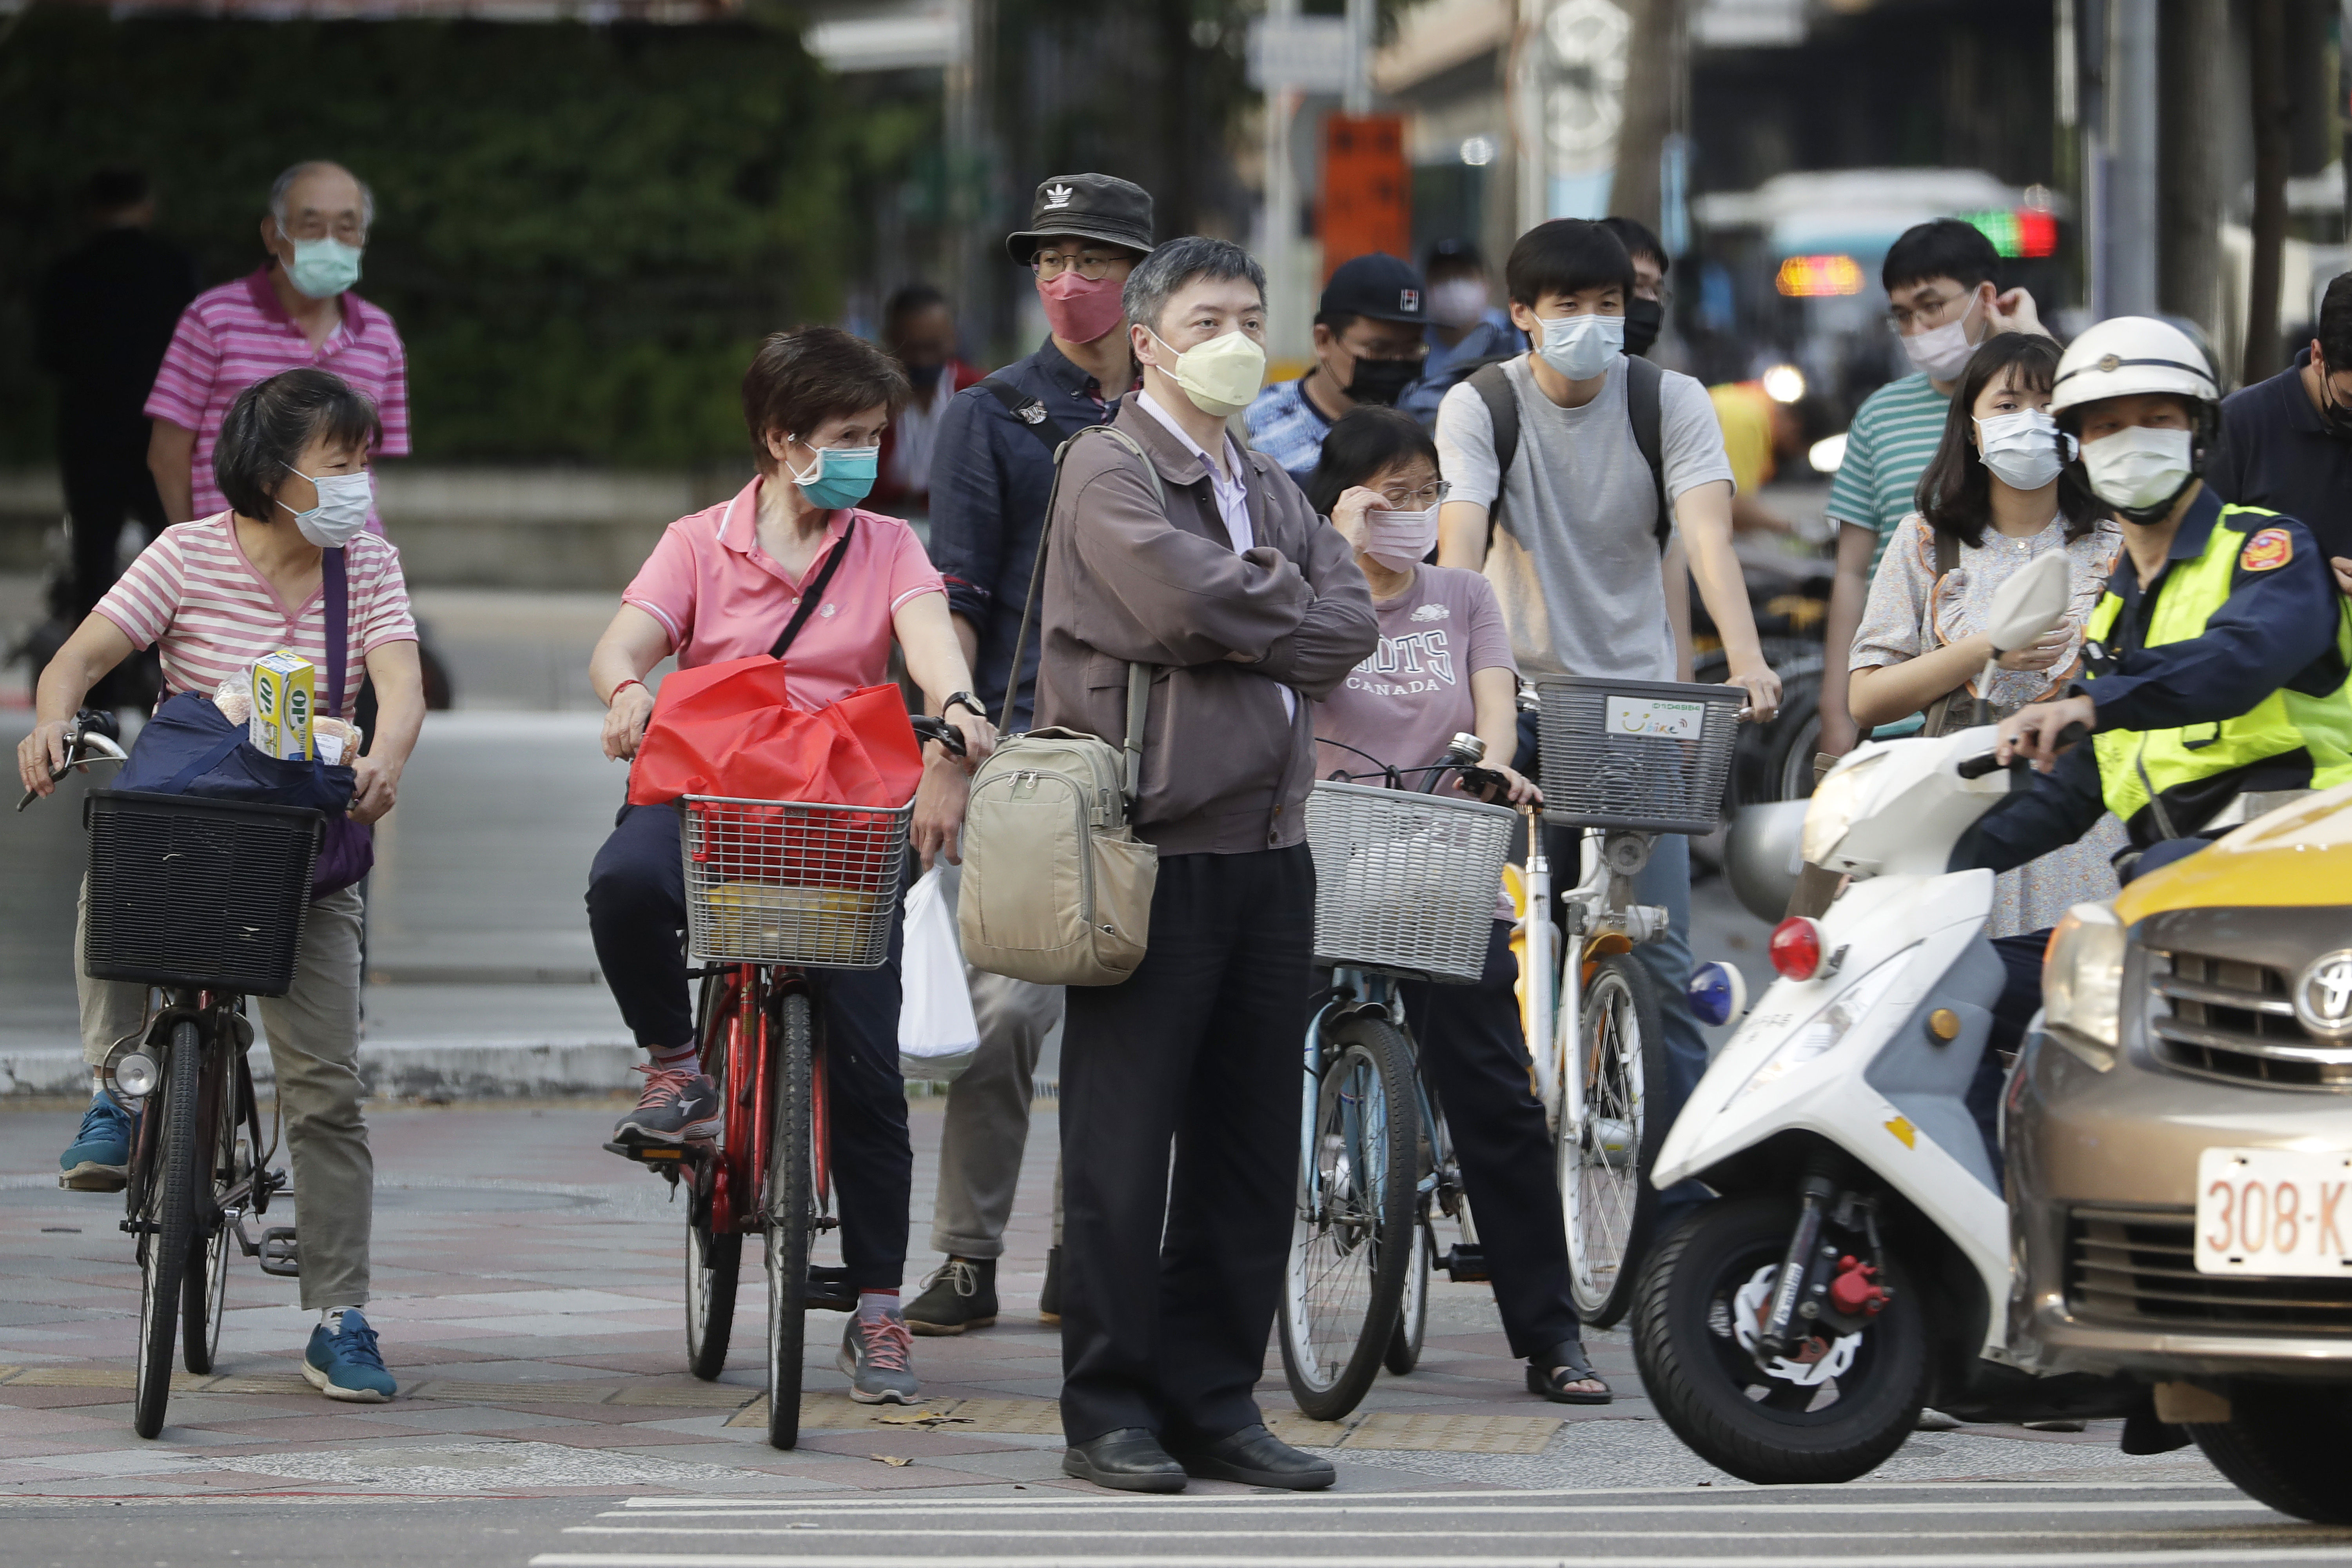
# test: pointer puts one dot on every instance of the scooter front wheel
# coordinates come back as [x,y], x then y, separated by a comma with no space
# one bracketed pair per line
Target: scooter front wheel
[1834,1407]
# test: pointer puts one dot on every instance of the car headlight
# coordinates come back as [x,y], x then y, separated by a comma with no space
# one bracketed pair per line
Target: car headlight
[1822,1032]
[1831,814]
[2083,983]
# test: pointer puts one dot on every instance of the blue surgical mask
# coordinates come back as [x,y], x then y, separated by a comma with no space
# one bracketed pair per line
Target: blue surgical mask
[1580,347]
[321,269]
[840,477]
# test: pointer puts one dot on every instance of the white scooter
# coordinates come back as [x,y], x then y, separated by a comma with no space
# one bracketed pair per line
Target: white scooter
[1856,1268]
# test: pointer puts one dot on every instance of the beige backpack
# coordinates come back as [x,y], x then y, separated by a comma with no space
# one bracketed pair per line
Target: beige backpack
[1057,887]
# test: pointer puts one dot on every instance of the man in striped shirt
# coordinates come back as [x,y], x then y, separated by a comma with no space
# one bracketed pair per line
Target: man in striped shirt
[1942,303]
[297,310]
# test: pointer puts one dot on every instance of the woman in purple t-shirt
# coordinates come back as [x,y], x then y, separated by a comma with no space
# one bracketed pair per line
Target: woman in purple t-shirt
[1444,666]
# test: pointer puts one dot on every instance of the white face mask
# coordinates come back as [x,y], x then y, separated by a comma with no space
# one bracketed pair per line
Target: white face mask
[2022,449]
[1398,540]
[2140,467]
[342,512]
[1943,351]
[1222,376]
[1580,347]
[1457,301]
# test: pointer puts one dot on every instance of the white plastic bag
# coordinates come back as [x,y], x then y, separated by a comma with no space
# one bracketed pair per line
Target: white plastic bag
[938,1036]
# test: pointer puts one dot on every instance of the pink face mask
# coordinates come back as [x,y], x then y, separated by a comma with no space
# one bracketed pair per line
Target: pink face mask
[1398,540]
[1081,310]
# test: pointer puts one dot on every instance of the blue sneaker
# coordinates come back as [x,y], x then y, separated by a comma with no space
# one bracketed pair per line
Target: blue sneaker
[343,1364]
[98,1158]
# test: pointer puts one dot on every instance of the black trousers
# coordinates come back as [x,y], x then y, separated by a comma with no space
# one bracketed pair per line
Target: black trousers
[1474,1055]
[636,912]
[106,483]
[1170,1286]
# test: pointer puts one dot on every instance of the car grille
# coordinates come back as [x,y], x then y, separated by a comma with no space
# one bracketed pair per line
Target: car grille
[2232,1018]
[2138,1266]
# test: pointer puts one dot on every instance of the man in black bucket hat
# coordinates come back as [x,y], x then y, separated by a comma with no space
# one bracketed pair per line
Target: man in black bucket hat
[992,473]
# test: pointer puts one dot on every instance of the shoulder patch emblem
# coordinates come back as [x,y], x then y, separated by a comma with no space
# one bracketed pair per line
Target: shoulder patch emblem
[1431,613]
[2267,551]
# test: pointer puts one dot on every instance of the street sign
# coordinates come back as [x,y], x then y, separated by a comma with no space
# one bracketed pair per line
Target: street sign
[1309,53]
[1367,188]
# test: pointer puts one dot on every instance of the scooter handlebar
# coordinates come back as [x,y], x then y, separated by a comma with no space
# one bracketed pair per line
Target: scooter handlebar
[1978,766]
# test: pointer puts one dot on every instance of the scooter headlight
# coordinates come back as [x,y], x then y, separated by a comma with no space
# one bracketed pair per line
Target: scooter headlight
[2083,983]
[1831,814]
[1821,1033]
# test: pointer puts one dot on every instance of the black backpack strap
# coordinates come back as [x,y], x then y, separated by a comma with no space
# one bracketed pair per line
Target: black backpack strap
[1494,389]
[814,594]
[1029,410]
[1644,382]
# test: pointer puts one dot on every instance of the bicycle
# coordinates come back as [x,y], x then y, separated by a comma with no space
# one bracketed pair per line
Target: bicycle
[774,890]
[1622,760]
[1405,888]
[230,882]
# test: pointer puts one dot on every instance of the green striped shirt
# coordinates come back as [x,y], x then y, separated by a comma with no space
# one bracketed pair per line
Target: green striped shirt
[1895,434]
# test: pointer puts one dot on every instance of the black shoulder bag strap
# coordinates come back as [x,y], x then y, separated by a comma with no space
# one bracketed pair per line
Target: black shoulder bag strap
[1029,410]
[1644,382]
[1494,389]
[814,593]
[338,627]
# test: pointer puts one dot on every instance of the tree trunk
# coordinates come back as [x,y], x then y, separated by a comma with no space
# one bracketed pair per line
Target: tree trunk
[2193,45]
[2274,115]
[1648,116]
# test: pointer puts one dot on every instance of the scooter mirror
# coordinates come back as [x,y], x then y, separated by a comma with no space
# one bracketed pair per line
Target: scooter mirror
[2030,603]
[1760,855]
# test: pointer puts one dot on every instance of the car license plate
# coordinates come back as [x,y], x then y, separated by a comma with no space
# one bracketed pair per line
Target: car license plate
[1655,717]
[2273,1211]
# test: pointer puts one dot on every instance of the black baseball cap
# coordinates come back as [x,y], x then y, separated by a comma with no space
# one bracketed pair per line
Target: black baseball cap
[1379,285]
[1089,206]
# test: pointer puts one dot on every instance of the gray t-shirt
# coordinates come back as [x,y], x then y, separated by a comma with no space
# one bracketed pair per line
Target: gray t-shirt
[1575,561]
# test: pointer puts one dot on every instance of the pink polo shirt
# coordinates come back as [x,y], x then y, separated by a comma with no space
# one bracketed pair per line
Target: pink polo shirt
[232,336]
[721,596]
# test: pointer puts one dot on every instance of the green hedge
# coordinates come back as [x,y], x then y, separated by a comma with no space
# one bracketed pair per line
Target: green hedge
[581,231]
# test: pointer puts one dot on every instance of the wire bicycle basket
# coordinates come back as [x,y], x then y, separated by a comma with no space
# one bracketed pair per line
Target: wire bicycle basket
[771,881]
[196,892]
[1650,756]
[1405,883]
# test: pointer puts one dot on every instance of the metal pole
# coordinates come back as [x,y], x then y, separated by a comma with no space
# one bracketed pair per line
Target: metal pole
[1528,82]
[2132,143]
[1281,206]
[1358,99]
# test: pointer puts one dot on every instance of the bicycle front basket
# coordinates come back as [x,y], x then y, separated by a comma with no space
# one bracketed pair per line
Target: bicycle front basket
[1652,756]
[771,881]
[187,891]
[1405,883]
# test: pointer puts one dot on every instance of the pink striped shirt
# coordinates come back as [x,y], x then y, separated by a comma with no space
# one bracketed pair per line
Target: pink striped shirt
[194,598]
[232,336]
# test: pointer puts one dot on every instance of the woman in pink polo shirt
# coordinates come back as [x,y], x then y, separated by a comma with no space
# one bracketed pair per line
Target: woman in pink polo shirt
[724,584]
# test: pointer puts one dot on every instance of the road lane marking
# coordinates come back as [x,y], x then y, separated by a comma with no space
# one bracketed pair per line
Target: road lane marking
[2212,1557]
[1437,1531]
[2234,1504]
[1515,1496]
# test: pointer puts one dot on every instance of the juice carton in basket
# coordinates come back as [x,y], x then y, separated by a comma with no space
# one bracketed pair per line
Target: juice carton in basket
[284,690]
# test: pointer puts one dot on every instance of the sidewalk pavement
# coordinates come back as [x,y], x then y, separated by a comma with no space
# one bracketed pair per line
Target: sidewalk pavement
[527,1288]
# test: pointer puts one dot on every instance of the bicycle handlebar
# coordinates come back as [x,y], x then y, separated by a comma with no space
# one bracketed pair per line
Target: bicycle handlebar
[928,728]
[86,743]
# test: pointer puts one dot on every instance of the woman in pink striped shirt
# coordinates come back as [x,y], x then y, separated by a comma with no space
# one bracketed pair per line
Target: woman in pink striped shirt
[212,597]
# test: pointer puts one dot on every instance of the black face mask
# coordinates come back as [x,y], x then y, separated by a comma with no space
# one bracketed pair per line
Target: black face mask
[1643,319]
[1382,381]
[923,377]
[2332,413]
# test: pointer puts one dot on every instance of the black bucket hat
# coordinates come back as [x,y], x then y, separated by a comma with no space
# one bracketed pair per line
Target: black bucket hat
[1088,206]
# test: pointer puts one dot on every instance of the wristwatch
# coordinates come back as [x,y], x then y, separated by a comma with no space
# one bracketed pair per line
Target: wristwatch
[968,702]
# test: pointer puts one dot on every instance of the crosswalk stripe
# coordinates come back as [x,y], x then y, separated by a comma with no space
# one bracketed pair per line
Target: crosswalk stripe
[2205,1558]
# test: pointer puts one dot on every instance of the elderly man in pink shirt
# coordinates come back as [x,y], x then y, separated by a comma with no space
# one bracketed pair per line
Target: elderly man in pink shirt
[295,310]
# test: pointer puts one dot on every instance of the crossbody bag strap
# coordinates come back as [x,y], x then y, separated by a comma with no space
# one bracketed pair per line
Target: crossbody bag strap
[1138,676]
[1936,716]
[338,627]
[814,594]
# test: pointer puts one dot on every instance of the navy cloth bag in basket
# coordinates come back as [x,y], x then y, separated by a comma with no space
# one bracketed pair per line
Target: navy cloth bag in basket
[190,747]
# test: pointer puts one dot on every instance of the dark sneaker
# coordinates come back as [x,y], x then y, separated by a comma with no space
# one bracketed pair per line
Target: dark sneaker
[960,1294]
[343,1364]
[1049,1294]
[98,1158]
[878,1356]
[678,1104]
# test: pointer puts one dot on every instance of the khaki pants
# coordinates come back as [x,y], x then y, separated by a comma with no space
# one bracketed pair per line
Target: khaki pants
[314,1046]
[987,1126]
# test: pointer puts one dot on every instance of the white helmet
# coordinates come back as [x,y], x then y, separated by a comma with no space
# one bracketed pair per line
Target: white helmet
[2131,354]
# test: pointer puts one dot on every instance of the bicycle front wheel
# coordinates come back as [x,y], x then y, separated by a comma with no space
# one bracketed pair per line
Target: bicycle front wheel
[1607,1150]
[1413,1317]
[204,1288]
[791,1213]
[1351,1242]
[168,1221]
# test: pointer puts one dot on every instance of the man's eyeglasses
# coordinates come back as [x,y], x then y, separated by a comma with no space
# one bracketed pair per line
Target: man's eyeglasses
[1926,313]
[1399,498]
[313,225]
[1092,266]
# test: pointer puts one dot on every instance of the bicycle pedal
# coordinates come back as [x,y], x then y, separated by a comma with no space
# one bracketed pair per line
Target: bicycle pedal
[281,1253]
[651,1155]
[1465,1265]
[830,1288]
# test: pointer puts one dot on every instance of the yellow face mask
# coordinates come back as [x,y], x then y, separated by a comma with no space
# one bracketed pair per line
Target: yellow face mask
[1222,376]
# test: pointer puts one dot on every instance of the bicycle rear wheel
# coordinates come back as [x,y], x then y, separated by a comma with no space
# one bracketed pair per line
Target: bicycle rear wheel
[168,1216]
[791,1213]
[714,1259]
[1353,1240]
[1606,1153]
[203,1288]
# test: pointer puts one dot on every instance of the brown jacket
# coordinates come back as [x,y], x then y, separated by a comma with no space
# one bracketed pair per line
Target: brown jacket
[1224,771]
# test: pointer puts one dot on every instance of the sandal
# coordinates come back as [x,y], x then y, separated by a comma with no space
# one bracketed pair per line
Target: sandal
[1567,1367]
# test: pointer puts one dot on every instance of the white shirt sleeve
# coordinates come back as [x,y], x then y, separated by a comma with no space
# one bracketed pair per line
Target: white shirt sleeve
[1465,446]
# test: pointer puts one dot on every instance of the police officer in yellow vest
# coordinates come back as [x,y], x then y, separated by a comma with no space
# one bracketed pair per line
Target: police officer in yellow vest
[2219,658]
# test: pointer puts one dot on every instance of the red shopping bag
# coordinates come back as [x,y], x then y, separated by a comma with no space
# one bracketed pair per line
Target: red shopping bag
[730,729]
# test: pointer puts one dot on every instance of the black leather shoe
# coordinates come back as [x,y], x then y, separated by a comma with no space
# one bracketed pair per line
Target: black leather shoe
[1256,1457]
[1130,1460]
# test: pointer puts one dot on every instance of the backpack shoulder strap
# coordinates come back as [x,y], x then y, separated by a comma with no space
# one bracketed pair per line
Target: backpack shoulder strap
[1645,384]
[1948,551]
[1028,410]
[1494,389]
